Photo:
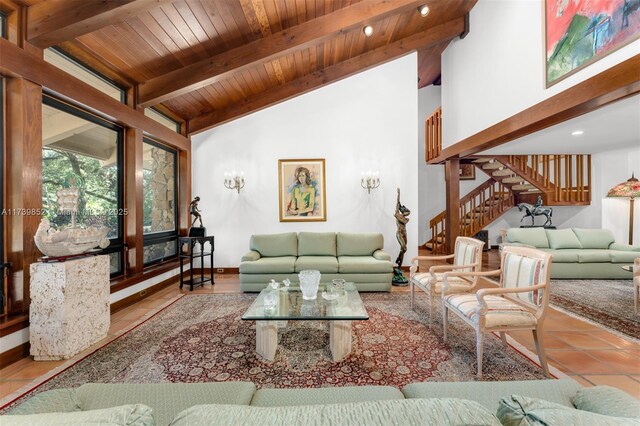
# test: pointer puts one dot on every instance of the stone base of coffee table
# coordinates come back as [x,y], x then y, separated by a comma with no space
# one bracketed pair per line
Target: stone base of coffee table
[267,339]
[69,308]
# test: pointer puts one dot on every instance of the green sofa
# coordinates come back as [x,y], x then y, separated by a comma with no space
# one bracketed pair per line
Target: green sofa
[578,253]
[355,257]
[240,403]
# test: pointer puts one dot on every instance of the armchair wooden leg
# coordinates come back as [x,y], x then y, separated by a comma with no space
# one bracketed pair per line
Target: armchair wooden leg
[432,301]
[537,338]
[503,336]
[479,351]
[413,293]
[445,313]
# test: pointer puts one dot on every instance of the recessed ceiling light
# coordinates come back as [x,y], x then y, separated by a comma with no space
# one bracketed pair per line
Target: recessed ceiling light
[424,10]
[368,30]
[577,133]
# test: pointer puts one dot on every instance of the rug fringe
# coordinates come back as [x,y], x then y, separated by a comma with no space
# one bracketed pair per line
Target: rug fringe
[594,323]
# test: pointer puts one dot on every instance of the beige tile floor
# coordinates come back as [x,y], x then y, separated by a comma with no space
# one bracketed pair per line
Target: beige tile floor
[588,354]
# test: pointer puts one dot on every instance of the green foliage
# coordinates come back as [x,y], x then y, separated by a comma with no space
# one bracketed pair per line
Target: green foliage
[98,188]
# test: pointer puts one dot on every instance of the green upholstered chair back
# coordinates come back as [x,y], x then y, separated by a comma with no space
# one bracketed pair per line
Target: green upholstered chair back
[317,244]
[273,245]
[359,244]
[562,239]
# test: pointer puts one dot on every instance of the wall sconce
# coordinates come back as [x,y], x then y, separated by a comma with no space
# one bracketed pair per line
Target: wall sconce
[370,180]
[233,180]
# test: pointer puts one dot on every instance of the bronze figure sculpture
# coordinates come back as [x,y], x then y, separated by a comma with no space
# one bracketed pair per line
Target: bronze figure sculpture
[536,209]
[402,218]
[195,211]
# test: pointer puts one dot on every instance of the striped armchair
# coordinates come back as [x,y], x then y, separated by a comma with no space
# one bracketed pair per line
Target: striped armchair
[519,302]
[467,257]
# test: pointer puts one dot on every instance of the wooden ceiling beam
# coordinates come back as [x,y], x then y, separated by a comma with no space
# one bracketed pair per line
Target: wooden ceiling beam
[17,62]
[310,33]
[611,85]
[395,50]
[52,22]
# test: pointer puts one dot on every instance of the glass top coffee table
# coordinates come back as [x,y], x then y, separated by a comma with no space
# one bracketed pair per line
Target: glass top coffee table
[273,308]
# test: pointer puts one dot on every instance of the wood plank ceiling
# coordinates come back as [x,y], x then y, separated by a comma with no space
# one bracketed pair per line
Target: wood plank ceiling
[210,61]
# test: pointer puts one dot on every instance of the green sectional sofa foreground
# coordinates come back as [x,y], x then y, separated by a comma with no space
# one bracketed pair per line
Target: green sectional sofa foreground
[578,253]
[355,257]
[239,403]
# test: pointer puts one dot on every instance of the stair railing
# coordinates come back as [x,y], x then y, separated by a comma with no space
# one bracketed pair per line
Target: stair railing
[567,176]
[433,135]
[478,209]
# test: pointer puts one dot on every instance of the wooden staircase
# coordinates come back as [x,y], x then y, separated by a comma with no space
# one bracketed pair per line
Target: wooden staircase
[560,180]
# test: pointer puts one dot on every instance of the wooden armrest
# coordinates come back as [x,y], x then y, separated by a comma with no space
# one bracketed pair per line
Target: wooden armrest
[434,257]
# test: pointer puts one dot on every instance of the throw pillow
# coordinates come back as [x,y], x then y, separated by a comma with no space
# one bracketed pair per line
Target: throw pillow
[517,410]
[607,400]
[562,239]
[129,415]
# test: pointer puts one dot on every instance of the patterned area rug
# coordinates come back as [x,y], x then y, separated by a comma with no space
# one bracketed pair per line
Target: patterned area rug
[606,302]
[201,338]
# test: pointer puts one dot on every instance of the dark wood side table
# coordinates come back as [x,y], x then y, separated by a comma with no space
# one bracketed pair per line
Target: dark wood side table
[190,243]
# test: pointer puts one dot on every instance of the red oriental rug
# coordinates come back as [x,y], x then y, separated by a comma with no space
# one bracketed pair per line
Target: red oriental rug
[201,338]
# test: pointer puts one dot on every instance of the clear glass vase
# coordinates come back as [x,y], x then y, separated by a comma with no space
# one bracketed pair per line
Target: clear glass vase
[309,283]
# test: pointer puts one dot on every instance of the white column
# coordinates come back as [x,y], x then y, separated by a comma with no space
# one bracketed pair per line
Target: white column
[267,339]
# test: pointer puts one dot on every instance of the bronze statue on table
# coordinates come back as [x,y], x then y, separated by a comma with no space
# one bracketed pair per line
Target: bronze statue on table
[402,218]
[536,209]
[196,231]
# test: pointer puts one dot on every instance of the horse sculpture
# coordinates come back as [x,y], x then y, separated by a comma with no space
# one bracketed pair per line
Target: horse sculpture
[533,211]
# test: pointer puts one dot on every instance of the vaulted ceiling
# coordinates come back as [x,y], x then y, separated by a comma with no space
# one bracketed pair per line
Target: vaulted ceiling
[211,61]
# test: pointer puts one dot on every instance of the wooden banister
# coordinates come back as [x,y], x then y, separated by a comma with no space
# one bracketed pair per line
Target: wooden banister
[433,135]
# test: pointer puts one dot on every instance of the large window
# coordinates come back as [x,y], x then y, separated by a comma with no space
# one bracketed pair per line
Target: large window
[83,151]
[66,63]
[160,202]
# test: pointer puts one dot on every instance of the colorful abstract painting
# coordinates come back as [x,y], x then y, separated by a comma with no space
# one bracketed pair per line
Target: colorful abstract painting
[579,32]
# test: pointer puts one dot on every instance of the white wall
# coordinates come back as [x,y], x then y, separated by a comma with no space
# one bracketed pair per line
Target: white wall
[365,122]
[607,170]
[498,69]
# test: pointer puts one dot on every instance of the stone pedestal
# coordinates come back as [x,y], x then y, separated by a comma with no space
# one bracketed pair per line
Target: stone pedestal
[69,308]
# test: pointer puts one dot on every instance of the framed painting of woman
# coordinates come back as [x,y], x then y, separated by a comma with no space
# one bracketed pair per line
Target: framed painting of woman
[302,190]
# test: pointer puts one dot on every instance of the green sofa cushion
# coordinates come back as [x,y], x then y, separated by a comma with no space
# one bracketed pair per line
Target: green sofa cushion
[53,401]
[269,265]
[252,255]
[622,256]
[324,264]
[524,411]
[272,245]
[359,244]
[562,239]
[489,393]
[594,238]
[330,395]
[594,256]
[607,400]
[624,247]
[316,244]
[564,256]
[363,265]
[130,415]
[166,399]
[531,236]
[404,412]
